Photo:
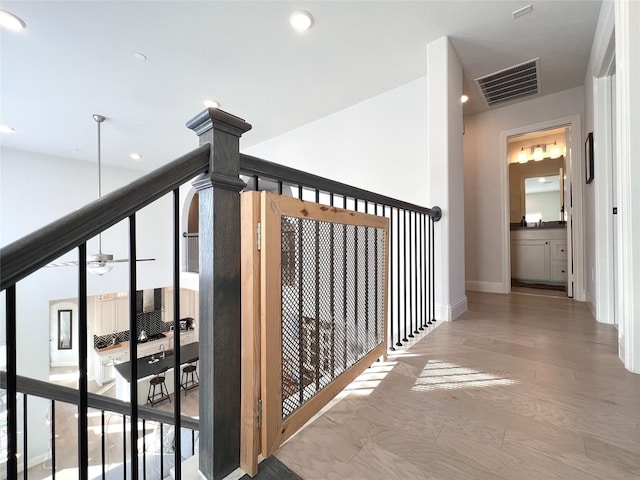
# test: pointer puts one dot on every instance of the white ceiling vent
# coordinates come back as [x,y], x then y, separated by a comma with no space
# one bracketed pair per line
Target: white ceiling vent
[511,83]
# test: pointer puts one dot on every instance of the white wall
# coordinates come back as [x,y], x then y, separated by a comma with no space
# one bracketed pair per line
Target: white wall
[484,194]
[445,174]
[379,144]
[37,189]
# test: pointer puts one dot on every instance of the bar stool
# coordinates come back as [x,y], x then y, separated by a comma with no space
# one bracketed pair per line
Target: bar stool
[187,380]
[158,382]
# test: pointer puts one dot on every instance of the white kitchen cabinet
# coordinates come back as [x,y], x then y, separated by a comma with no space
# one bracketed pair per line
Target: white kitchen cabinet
[122,314]
[539,255]
[107,360]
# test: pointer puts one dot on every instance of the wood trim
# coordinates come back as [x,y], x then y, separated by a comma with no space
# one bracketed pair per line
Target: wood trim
[250,371]
[274,429]
[271,314]
[301,416]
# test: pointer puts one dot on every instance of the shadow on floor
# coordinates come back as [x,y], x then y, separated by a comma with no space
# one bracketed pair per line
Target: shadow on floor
[273,469]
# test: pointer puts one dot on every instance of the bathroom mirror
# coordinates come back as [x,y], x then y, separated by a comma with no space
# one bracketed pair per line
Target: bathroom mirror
[526,190]
[542,198]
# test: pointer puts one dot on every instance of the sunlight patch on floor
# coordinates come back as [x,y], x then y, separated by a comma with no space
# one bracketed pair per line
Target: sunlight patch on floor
[437,375]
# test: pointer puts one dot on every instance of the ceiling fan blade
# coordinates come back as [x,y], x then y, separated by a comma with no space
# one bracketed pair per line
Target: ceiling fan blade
[122,260]
[62,264]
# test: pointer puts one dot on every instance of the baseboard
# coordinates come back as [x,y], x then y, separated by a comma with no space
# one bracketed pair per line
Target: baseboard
[64,364]
[486,287]
[453,310]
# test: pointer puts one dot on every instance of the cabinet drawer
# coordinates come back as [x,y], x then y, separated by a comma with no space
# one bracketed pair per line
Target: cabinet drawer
[558,250]
[558,271]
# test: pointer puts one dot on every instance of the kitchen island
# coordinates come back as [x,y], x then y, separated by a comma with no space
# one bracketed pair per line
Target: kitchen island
[148,367]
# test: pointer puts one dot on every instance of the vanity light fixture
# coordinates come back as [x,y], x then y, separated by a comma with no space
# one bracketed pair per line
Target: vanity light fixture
[301,20]
[464,98]
[11,22]
[555,151]
[538,152]
[522,156]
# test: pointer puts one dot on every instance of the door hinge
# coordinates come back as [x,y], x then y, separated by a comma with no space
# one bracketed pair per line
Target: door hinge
[260,413]
[259,234]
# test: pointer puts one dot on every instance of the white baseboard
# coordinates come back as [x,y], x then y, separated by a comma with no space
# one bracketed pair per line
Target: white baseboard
[453,310]
[486,287]
[64,364]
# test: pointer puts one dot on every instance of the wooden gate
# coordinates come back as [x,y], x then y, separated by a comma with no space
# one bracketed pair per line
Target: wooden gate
[314,311]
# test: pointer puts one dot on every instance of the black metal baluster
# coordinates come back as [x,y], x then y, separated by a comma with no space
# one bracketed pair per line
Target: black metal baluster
[398,343]
[423,271]
[429,322]
[433,270]
[102,441]
[415,270]
[375,282]
[404,267]
[366,286]
[410,279]
[193,442]
[25,442]
[12,386]
[301,376]
[133,345]
[332,288]
[418,277]
[161,453]
[317,299]
[124,445]
[421,258]
[53,440]
[344,289]
[391,245]
[300,192]
[144,450]
[279,187]
[176,337]
[83,403]
[255,183]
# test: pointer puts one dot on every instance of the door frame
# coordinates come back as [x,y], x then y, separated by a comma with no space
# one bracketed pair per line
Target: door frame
[574,168]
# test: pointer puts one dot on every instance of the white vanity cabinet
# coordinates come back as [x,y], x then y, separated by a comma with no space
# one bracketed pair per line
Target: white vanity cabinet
[539,255]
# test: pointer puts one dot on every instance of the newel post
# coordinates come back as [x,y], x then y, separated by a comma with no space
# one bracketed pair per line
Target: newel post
[219,315]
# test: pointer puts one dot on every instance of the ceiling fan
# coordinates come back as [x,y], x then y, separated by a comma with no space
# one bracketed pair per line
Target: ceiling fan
[98,263]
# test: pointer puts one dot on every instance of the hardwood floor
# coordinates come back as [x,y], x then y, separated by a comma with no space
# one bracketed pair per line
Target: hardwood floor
[519,387]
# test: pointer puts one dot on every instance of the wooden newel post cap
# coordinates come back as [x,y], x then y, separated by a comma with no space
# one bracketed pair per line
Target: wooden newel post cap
[220,120]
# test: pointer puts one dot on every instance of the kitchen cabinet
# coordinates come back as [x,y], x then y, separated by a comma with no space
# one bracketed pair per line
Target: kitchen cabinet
[112,313]
[106,361]
[539,255]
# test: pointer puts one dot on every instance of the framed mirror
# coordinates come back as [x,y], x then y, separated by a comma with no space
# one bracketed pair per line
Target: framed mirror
[65,324]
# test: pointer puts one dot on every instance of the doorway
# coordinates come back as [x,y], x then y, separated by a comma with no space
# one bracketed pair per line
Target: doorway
[554,260]
[539,243]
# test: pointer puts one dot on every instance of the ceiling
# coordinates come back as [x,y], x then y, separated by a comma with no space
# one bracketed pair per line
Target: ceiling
[76,58]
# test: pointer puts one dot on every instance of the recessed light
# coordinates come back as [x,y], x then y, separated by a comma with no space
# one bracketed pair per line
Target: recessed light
[10,21]
[301,20]
[140,56]
[135,156]
[6,128]
[211,104]
[464,98]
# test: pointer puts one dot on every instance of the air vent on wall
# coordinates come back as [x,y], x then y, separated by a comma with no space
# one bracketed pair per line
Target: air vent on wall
[511,83]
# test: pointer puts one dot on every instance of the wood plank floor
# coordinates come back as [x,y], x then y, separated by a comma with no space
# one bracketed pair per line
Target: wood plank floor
[519,387]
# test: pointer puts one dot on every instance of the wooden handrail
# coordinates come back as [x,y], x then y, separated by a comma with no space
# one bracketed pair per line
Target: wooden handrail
[34,251]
